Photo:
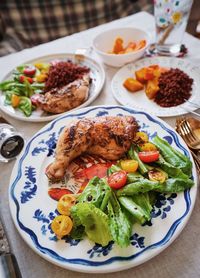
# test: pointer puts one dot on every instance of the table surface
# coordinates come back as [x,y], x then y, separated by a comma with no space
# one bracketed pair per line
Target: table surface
[181,258]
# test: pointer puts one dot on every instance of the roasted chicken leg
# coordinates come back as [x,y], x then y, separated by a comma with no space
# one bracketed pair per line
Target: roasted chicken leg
[109,137]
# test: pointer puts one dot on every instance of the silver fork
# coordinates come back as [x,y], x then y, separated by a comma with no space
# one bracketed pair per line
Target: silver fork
[187,133]
[183,131]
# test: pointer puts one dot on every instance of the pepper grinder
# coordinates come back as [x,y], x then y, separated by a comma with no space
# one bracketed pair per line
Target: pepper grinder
[11,141]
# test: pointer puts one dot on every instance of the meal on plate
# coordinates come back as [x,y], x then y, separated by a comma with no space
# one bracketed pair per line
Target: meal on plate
[166,86]
[122,190]
[54,87]
[132,46]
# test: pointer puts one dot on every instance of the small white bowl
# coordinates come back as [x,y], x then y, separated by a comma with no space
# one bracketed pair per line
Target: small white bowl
[104,42]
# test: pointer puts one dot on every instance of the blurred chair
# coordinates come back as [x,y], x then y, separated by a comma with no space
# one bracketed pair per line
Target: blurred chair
[25,23]
[193,26]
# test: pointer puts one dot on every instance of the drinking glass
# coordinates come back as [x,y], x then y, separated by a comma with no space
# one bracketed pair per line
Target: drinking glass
[171,17]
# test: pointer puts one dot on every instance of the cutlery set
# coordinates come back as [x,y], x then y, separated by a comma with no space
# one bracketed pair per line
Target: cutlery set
[188,129]
[8,264]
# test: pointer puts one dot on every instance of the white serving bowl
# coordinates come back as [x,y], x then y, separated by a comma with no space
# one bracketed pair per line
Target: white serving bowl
[104,42]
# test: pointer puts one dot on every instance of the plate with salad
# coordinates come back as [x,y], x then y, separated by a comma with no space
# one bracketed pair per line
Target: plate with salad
[104,215]
[46,87]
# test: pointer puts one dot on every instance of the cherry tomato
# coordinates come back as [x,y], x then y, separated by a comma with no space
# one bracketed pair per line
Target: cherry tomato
[61,225]
[129,165]
[147,147]
[65,203]
[141,137]
[157,175]
[117,179]
[57,193]
[15,100]
[29,71]
[41,77]
[149,156]
[22,78]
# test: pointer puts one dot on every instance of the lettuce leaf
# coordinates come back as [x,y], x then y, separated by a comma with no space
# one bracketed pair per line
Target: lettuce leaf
[94,221]
[119,223]
[173,156]
[97,192]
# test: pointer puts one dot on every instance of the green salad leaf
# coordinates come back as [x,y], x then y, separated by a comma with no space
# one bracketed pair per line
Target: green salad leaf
[94,221]
[119,223]
[97,192]
[172,171]
[141,166]
[173,156]
[140,186]
[25,106]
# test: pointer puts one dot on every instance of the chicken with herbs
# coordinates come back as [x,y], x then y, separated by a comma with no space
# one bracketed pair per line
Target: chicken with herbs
[59,100]
[109,137]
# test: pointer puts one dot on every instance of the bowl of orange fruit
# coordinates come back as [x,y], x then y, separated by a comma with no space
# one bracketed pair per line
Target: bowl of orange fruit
[117,47]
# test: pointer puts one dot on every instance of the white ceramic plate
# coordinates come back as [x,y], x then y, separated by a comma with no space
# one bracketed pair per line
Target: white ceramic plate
[96,73]
[139,99]
[33,210]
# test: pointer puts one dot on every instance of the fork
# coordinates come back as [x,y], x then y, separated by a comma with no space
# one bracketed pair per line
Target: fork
[184,129]
[181,132]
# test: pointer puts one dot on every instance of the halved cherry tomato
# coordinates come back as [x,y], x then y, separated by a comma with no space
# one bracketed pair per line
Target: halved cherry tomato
[147,147]
[117,179]
[15,100]
[61,225]
[129,165]
[29,71]
[157,175]
[41,77]
[65,203]
[57,193]
[148,157]
[141,136]
[22,78]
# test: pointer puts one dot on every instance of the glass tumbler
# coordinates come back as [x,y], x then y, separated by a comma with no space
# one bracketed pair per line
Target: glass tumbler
[171,17]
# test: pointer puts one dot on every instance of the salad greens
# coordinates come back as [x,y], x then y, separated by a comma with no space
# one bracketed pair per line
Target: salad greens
[119,223]
[105,214]
[173,156]
[94,221]
[25,82]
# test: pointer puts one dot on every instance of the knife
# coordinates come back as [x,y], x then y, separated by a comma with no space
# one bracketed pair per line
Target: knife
[8,263]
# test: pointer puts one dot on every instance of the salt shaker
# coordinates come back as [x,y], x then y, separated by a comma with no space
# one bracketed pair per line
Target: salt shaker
[11,141]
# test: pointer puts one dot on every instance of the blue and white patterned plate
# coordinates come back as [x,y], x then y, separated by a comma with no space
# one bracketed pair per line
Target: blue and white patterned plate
[33,210]
[97,75]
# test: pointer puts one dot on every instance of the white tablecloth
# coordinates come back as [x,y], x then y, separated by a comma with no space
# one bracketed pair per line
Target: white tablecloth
[181,258]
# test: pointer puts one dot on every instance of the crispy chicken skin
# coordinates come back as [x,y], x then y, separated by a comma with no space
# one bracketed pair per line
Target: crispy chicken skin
[109,137]
[59,100]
